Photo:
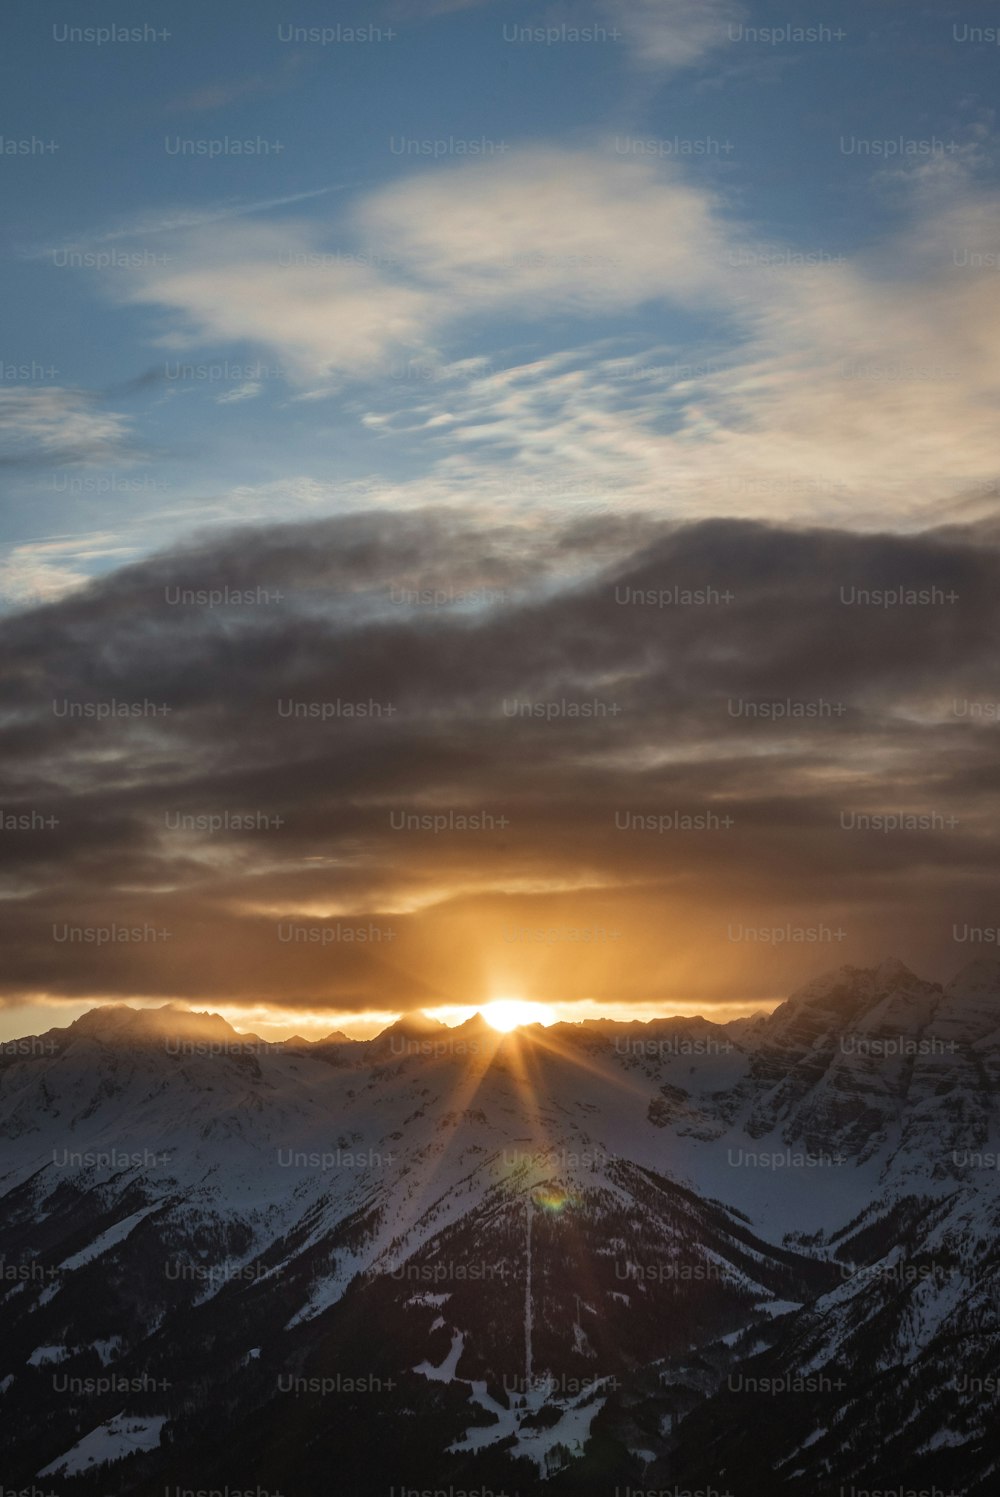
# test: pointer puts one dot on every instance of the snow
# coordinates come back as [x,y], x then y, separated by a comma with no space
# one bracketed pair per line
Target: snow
[446,1372]
[480,1435]
[778,1306]
[109,1239]
[734,1336]
[462,1118]
[120,1436]
[581,1344]
[44,1354]
[571,1430]
[329,1290]
[945,1439]
[108,1350]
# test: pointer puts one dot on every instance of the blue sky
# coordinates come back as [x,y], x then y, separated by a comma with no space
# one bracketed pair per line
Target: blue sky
[596,289]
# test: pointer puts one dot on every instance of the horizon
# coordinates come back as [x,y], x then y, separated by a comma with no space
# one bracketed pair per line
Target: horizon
[366,1027]
[369,1027]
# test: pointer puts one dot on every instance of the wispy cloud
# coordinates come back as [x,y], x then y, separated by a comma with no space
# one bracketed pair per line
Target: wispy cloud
[222,92]
[670,34]
[863,383]
[273,285]
[584,231]
[660,34]
[40,428]
[172,220]
[247,391]
[550,229]
[39,571]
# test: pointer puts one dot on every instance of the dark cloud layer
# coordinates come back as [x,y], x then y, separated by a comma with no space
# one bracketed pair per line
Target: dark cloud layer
[634,710]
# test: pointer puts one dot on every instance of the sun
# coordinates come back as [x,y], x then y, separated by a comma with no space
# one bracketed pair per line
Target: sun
[506,1014]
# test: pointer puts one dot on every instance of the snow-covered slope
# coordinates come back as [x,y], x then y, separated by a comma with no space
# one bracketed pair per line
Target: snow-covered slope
[627,1196]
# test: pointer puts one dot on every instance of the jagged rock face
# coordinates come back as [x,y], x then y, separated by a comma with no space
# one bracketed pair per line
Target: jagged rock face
[815,1069]
[860,1061]
[653,1211]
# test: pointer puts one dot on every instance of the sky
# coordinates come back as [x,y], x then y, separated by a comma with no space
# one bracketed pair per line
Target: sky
[498,500]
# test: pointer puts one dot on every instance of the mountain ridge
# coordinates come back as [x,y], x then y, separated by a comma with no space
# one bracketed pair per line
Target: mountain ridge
[890,971]
[702,1203]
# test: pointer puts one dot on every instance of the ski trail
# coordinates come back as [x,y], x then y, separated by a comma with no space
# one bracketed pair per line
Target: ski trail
[527,1298]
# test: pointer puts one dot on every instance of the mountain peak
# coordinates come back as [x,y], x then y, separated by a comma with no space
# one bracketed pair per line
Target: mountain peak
[476,1024]
[891,972]
[980,975]
[839,998]
[415,1023]
[107,1018]
[118,1021]
[848,984]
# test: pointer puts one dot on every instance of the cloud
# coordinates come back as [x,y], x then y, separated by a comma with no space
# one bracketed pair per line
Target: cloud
[217,95]
[172,220]
[862,384]
[669,34]
[565,230]
[39,571]
[247,391]
[451,622]
[53,426]
[850,386]
[664,35]
[547,228]
[324,314]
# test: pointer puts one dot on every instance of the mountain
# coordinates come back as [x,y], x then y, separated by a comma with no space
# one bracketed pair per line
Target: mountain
[758,1256]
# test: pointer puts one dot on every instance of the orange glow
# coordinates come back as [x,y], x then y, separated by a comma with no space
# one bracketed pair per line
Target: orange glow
[272,1022]
[506,1014]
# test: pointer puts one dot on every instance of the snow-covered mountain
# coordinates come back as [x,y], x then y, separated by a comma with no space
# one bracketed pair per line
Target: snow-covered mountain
[758,1255]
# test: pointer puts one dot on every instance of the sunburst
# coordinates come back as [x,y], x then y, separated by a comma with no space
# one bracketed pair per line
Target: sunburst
[506,1014]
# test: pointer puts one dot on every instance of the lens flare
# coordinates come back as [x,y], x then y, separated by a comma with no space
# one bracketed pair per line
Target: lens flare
[552,1199]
